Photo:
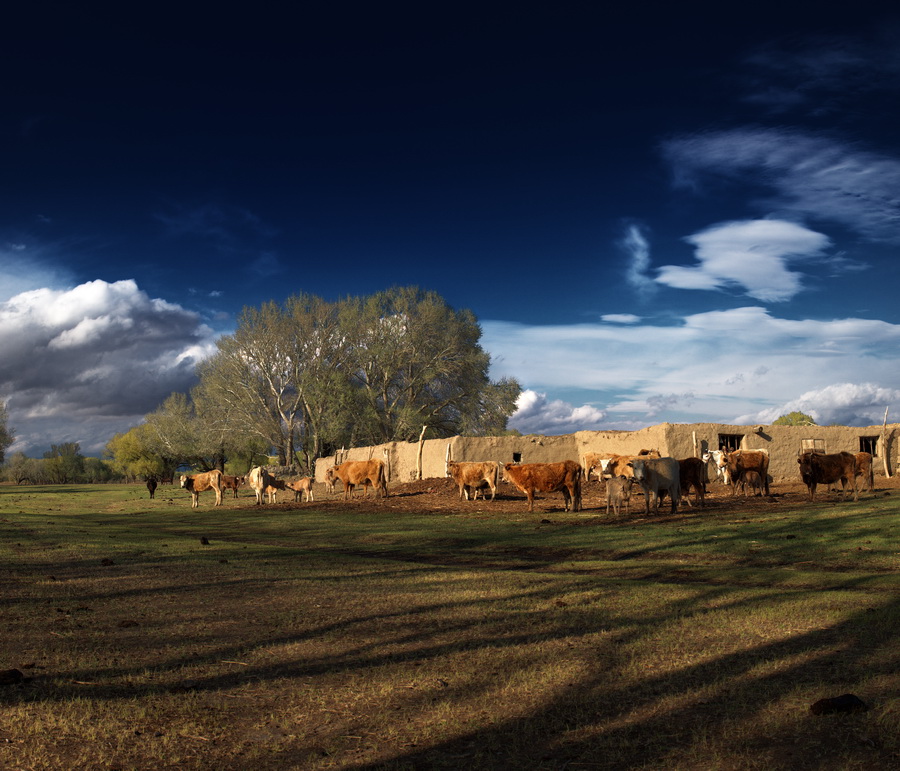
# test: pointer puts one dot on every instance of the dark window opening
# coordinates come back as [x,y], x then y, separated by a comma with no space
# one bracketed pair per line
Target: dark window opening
[868,444]
[517,457]
[730,442]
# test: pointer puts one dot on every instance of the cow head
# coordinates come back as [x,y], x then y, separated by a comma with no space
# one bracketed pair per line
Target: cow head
[719,460]
[638,469]
[186,481]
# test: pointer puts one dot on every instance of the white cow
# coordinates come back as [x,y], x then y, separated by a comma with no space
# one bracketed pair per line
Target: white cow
[259,479]
[655,475]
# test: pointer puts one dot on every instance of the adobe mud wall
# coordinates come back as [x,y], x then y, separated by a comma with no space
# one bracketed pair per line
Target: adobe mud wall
[678,440]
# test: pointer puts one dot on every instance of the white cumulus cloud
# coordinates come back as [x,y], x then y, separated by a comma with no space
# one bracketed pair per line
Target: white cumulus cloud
[536,414]
[850,404]
[83,362]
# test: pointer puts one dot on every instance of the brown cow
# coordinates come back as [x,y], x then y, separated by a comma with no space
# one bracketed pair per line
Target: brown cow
[818,469]
[564,477]
[302,486]
[865,469]
[692,473]
[359,472]
[273,487]
[618,491]
[232,483]
[259,479]
[474,474]
[151,485]
[198,483]
[730,466]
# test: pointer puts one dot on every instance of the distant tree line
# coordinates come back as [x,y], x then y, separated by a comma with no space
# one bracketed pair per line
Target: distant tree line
[300,379]
[62,464]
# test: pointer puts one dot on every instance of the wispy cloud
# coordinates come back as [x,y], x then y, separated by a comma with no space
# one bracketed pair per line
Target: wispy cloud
[813,178]
[26,264]
[749,256]
[230,228]
[620,318]
[661,403]
[636,247]
[820,74]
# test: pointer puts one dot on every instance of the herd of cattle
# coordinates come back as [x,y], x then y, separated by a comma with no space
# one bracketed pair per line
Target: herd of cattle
[656,476]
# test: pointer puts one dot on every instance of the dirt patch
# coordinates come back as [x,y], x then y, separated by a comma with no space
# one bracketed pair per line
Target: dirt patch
[441,496]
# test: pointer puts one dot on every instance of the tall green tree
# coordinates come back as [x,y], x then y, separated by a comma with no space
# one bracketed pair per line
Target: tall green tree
[64,463]
[131,454]
[416,361]
[323,373]
[24,469]
[253,379]
[7,435]
[307,376]
[176,433]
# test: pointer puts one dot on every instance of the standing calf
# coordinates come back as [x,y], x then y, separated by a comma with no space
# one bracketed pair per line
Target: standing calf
[618,491]
[753,480]
[303,485]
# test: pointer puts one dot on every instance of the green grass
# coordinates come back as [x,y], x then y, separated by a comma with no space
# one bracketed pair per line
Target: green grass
[326,637]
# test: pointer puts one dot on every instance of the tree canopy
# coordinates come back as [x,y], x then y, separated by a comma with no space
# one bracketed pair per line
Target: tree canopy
[795,419]
[307,376]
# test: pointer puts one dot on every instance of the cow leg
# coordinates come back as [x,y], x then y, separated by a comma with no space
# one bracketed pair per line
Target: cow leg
[530,495]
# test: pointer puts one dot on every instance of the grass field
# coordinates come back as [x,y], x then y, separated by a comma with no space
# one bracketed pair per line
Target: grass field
[355,636]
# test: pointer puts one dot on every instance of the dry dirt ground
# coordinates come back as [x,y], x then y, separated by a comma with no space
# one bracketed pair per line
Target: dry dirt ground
[438,495]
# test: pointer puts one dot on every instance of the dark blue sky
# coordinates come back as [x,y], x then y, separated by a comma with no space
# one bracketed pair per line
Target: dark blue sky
[657,212]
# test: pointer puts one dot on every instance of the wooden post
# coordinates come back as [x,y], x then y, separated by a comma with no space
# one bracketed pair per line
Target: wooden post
[694,437]
[447,461]
[884,445]
[387,464]
[419,455]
